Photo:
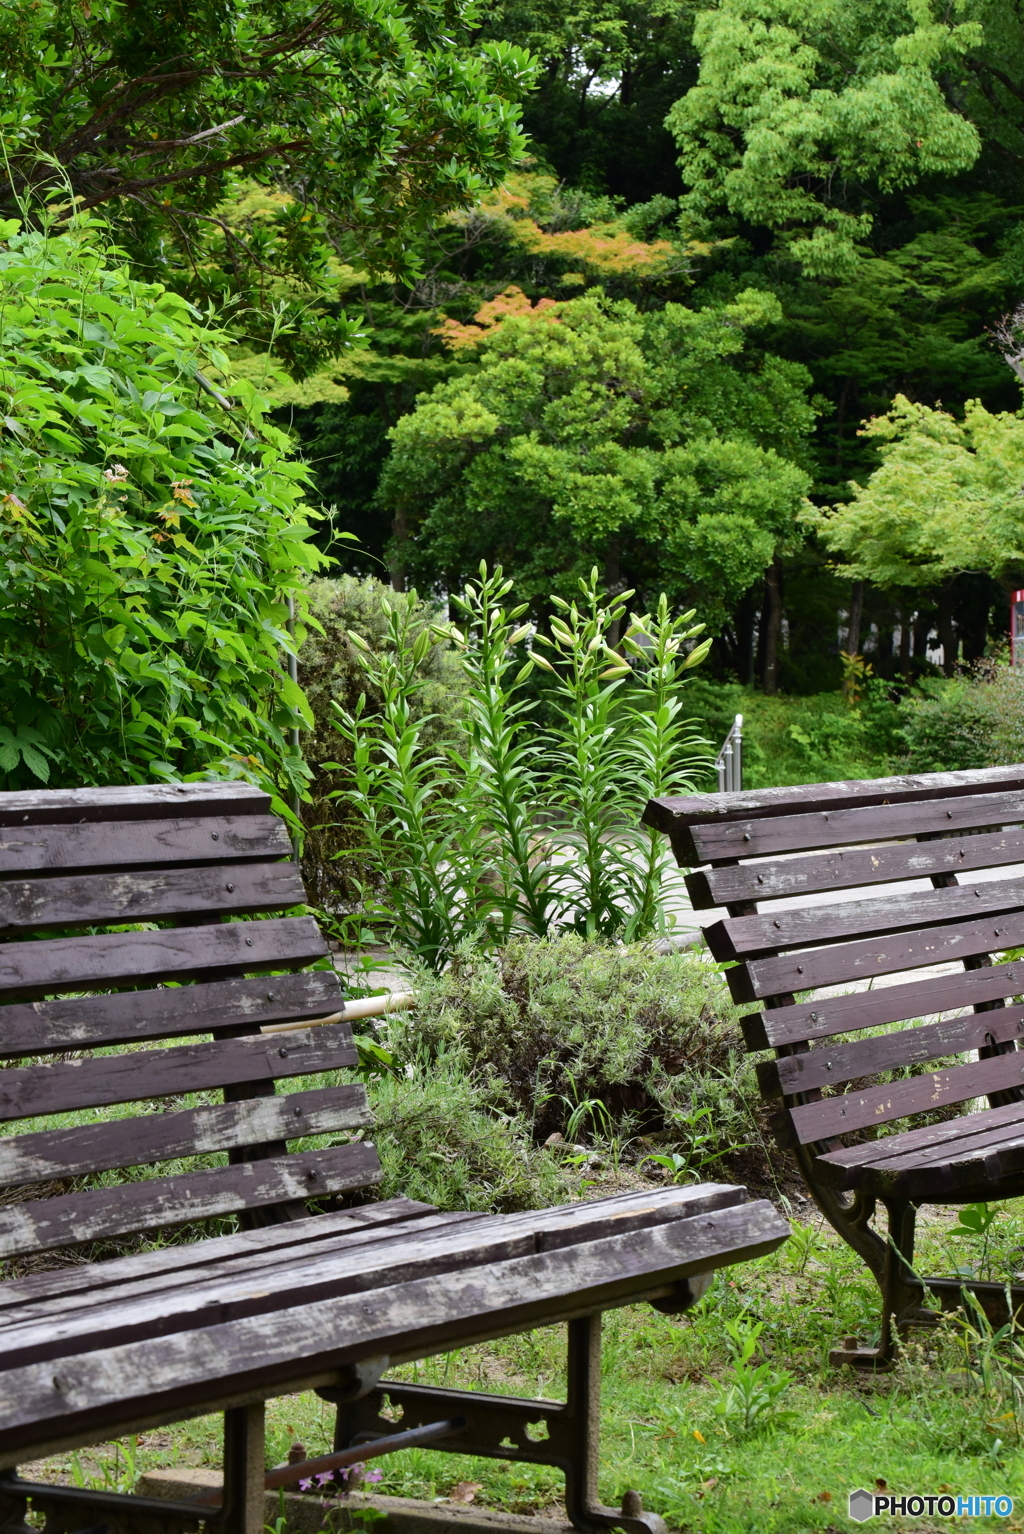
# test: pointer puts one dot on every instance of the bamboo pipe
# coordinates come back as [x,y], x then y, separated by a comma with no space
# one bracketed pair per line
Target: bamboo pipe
[364,1006]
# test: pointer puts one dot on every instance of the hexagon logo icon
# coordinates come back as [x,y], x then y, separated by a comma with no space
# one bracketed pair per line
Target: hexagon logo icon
[862,1505]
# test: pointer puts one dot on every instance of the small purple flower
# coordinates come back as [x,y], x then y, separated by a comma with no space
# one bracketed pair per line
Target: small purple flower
[305,1485]
[324,1476]
[374,1476]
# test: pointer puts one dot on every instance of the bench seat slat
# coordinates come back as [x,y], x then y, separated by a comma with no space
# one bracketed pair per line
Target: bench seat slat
[832,1064]
[805,969]
[154,1203]
[147,895]
[950,1131]
[31,1091]
[89,1283]
[739,936]
[266,1254]
[855,866]
[831,1015]
[128,844]
[150,1137]
[348,1265]
[129,1017]
[126,958]
[95,1392]
[136,801]
[920,1094]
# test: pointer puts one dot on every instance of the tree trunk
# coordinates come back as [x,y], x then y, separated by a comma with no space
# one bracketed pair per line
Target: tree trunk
[947,631]
[396,562]
[613,584]
[772,623]
[855,618]
[906,617]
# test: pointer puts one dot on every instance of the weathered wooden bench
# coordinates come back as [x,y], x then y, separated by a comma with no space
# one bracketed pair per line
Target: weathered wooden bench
[876,1083]
[141,967]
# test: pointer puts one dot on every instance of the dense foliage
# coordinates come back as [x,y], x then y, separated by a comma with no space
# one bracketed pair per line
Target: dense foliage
[151,536]
[589,431]
[372,117]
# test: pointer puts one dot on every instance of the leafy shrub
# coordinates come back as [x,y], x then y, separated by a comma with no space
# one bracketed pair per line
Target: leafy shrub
[333,675]
[152,536]
[564,1023]
[443,1137]
[520,823]
[948,724]
[814,739]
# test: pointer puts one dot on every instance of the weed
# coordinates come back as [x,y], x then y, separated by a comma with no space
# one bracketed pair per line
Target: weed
[751,1393]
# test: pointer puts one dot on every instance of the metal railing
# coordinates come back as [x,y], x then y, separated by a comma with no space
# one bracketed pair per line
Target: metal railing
[729,761]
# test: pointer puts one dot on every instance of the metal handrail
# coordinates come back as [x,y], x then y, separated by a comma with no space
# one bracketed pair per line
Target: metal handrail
[729,761]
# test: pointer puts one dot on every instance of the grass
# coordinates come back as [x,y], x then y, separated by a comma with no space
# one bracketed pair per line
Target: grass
[674,1423]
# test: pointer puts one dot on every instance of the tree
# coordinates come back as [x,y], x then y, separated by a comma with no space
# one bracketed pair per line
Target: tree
[806,111]
[365,119]
[946,499]
[945,503]
[660,446]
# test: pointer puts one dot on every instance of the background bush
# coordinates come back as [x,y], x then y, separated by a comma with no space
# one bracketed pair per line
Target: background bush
[151,536]
[332,674]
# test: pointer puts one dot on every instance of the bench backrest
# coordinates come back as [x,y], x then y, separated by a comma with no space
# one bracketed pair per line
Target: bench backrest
[817,972]
[133,991]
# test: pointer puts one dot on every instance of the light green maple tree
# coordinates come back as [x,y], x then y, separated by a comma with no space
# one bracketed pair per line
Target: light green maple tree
[948,497]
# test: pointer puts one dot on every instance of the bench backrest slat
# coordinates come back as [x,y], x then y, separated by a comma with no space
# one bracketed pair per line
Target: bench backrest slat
[102,899]
[826,1016]
[132,1017]
[154,1203]
[149,843]
[133,958]
[137,801]
[195,873]
[75,1152]
[779,931]
[882,863]
[30,1091]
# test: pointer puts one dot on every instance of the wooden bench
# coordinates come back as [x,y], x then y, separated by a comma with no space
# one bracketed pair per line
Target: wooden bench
[876,1080]
[141,967]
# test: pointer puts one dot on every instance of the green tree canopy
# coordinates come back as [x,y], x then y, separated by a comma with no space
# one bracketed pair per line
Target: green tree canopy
[806,108]
[662,446]
[374,116]
[946,499]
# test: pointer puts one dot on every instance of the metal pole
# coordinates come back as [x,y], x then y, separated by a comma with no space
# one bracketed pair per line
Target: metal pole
[293,672]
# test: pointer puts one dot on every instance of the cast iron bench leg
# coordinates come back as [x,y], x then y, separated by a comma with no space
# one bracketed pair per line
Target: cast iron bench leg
[244,1450]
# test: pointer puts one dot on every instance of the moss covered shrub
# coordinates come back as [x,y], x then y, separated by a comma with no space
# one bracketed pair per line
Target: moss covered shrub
[593,1040]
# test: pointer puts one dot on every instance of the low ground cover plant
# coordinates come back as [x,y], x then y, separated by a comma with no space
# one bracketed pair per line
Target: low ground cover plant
[630,1054]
